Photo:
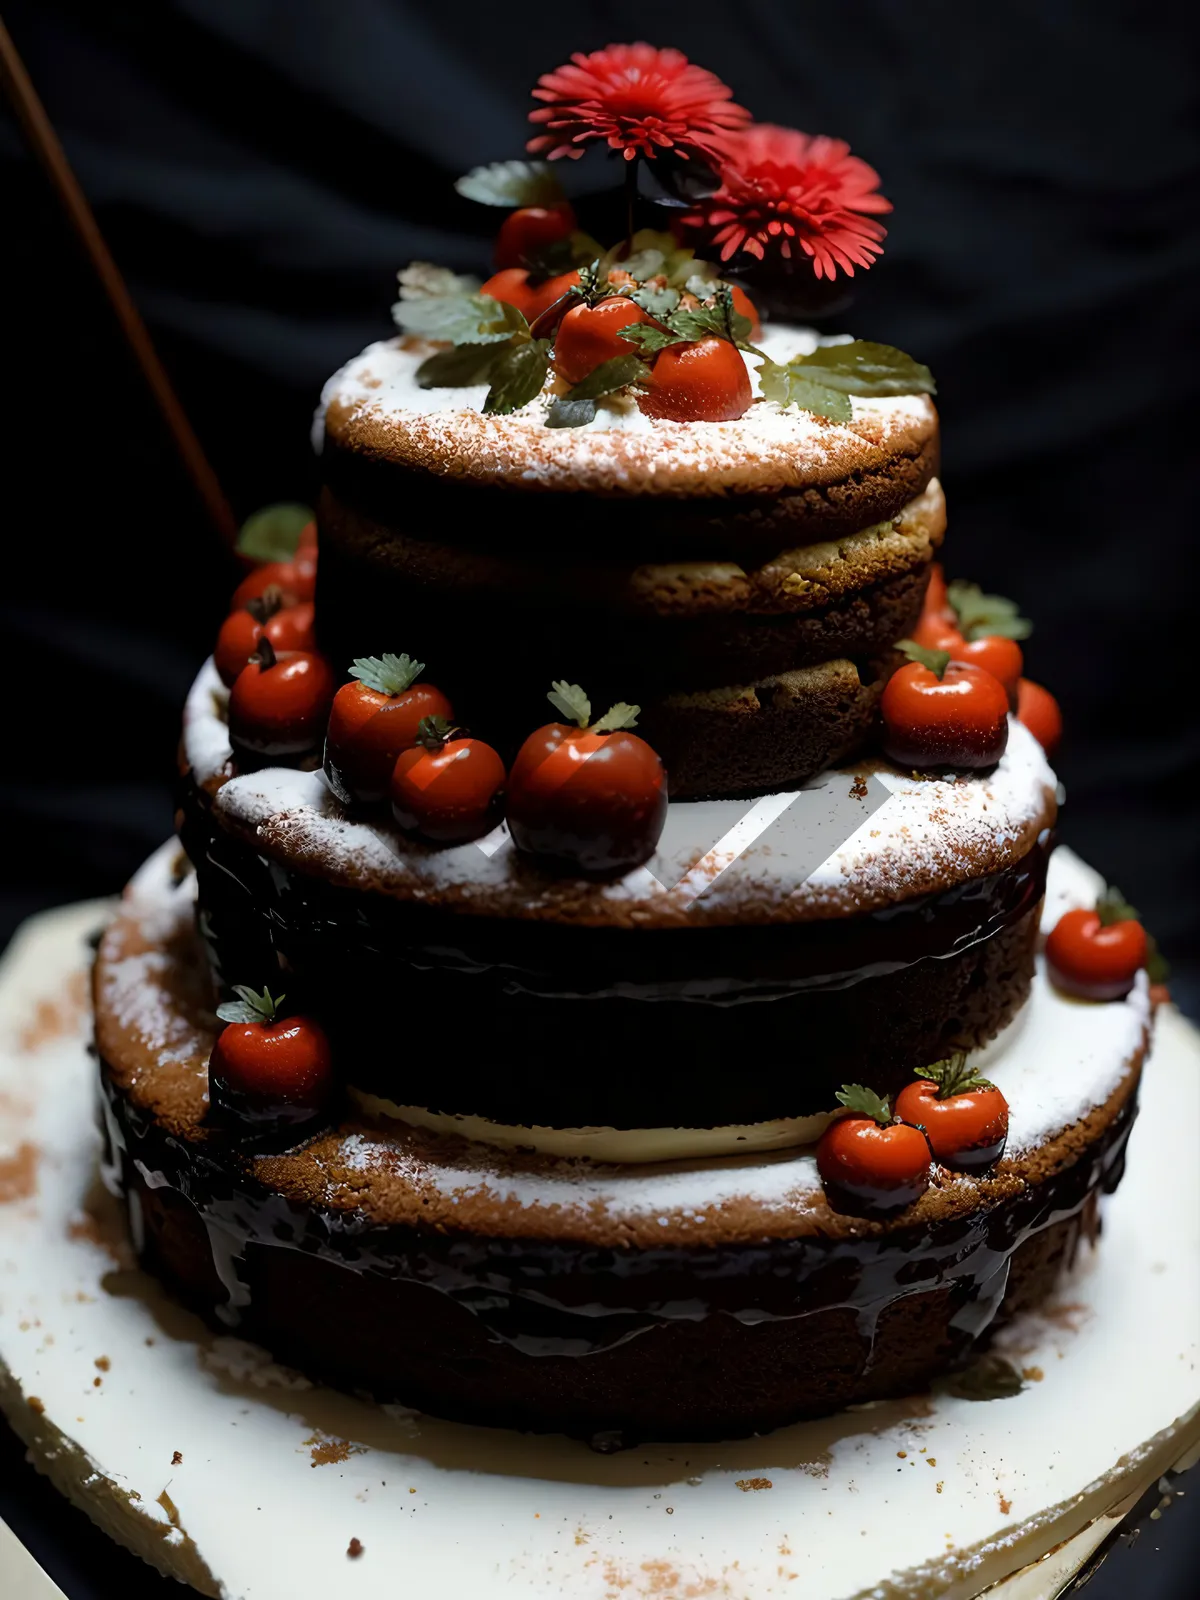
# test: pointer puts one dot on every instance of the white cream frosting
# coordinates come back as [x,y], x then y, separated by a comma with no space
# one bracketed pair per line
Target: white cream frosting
[943,827]
[381,383]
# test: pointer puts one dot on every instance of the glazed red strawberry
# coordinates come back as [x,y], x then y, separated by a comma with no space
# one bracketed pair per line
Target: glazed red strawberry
[590,335]
[588,796]
[528,231]
[296,581]
[373,720]
[511,286]
[943,713]
[995,654]
[964,1116]
[447,787]
[1097,954]
[279,703]
[287,627]
[1038,710]
[265,1068]
[702,382]
[869,1156]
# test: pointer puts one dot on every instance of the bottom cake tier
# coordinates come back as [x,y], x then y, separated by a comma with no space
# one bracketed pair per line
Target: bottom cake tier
[685,1299]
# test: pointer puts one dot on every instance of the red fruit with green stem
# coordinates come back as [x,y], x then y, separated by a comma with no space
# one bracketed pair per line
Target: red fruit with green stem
[1038,710]
[587,796]
[590,335]
[287,627]
[964,1116]
[447,787]
[942,713]
[871,1157]
[296,580]
[1097,954]
[279,703]
[265,1068]
[528,231]
[705,381]
[980,629]
[373,720]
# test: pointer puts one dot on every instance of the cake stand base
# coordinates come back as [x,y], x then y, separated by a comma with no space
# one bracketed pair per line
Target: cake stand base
[245,1480]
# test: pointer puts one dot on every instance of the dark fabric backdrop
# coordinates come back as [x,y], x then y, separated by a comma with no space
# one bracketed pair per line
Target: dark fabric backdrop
[261,168]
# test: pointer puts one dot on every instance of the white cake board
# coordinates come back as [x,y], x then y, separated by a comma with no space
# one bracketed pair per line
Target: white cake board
[109,1382]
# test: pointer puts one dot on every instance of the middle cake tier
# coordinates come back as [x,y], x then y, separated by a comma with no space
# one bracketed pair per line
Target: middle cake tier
[771,950]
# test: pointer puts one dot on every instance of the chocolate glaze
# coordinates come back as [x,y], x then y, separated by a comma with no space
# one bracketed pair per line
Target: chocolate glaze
[860,998]
[562,1299]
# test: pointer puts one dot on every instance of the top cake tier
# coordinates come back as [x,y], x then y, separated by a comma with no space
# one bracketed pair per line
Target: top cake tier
[743,581]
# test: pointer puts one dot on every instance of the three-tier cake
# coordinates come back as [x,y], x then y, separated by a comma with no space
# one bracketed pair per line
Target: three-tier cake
[678,1071]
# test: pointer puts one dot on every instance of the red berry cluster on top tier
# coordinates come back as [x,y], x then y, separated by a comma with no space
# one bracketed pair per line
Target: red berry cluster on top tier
[949,706]
[882,1156]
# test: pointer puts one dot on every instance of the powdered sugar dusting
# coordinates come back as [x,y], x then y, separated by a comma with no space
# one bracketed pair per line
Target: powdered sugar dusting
[446,430]
[932,832]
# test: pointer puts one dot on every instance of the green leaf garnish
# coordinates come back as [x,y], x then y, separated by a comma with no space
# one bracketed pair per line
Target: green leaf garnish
[512,184]
[564,413]
[387,674]
[577,407]
[622,715]
[991,1377]
[517,376]
[457,318]
[658,302]
[936,660]
[649,339]
[643,264]
[982,614]
[823,381]
[570,699]
[250,1006]
[463,365]
[421,278]
[953,1076]
[1158,968]
[865,1103]
[273,533]
[788,386]
[1112,906]
[435,731]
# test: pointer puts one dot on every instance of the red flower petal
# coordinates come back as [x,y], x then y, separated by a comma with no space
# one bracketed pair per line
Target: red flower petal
[778,185]
[638,100]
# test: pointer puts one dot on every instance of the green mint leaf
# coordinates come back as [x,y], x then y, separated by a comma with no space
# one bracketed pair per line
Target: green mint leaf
[512,184]
[648,339]
[936,660]
[616,373]
[789,386]
[702,279]
[570,700]
[457,318]
[421,278]
[517,377]
[982,614]
[250,1006]
[864,1102]
[953,1076]
[273,533]
[658,302]
[643,264]
[435,731]
[387,674]
[464,364]
[864,368]
[568,413]
[1112,906]
[989,1378]
[622,715]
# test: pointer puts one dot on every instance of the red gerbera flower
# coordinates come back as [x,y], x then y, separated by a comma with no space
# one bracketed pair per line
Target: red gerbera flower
[639,100]
[782,190]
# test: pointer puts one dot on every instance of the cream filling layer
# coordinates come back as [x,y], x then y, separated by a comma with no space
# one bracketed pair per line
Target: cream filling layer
[638,1146]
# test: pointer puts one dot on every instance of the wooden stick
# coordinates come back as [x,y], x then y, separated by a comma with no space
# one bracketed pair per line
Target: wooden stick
[44,143]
